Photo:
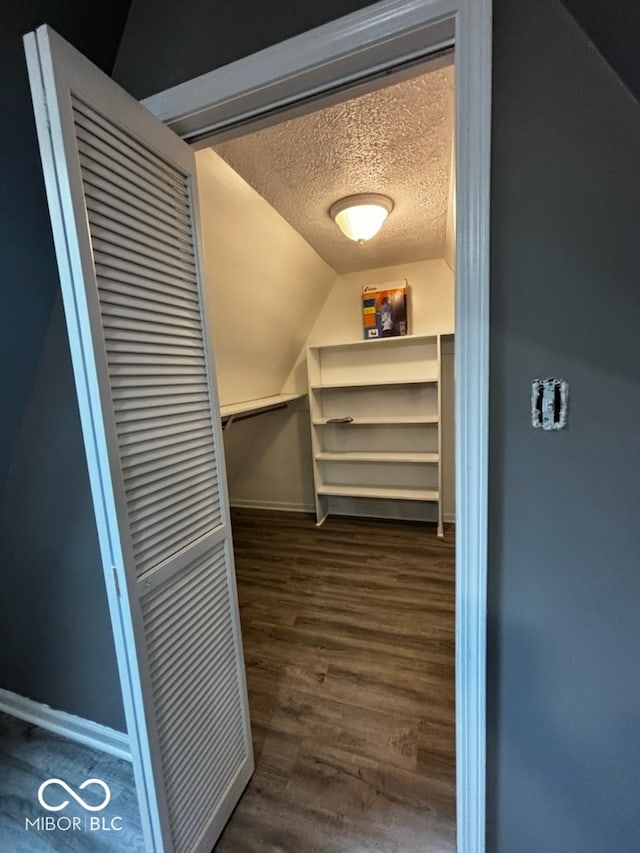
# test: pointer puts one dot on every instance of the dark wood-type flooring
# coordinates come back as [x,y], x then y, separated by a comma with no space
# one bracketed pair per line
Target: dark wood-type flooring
[349,644]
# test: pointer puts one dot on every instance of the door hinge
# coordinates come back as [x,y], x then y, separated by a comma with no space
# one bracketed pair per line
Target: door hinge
[116,582]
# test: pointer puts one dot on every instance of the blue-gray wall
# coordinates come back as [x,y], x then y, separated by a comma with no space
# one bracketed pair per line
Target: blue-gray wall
[167,41]
[54,629]
[564,695]
[615,28]
[27,263]
[564,691]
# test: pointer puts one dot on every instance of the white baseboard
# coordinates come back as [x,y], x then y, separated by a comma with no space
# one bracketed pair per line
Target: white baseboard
[286,506]
[280,506]
[69,726]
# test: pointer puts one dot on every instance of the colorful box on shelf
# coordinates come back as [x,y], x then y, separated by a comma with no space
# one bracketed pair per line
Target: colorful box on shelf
[384,309]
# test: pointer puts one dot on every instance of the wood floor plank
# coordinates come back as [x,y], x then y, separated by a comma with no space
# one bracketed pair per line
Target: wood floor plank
[348,634]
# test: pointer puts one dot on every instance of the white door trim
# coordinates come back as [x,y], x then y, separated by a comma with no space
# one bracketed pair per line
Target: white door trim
[380,37]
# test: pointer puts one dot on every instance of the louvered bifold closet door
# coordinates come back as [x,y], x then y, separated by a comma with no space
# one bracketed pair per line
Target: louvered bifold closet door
[122,197]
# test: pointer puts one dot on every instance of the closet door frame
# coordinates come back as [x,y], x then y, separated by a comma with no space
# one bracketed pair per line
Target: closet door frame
[255,91]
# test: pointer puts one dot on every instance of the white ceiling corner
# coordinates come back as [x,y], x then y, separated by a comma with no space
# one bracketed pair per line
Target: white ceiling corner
[396,140]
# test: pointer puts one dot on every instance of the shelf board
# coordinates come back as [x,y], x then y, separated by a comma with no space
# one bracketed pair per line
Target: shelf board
[377,456]
[384,492]
[397,340]
[372,383]
[387,420]
[260,405]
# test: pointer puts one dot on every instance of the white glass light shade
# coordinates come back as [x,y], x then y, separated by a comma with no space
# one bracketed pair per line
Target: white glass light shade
[360,217]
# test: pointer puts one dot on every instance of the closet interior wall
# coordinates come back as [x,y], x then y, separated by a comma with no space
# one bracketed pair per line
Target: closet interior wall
[271,296]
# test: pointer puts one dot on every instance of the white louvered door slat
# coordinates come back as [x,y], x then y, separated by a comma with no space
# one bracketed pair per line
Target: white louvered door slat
[121,192]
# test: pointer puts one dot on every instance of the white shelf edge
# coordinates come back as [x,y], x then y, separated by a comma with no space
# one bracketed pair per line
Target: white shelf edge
[262,403]
[418,458]
[385,493]
[391,420]
[372,383]
[397,339]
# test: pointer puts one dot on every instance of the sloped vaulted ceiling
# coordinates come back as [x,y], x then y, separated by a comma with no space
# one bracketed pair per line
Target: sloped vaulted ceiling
[396,140]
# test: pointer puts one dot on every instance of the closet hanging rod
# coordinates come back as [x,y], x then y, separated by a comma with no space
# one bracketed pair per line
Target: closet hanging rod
[251,408]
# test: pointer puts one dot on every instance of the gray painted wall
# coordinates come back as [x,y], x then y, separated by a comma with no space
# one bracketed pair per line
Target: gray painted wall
[615,28]
[563,702]
[55,632]
[54,629]
[564,697]
[166,41]
[29,275]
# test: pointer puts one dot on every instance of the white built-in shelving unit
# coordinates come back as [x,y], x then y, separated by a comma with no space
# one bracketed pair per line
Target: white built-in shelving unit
[391,448]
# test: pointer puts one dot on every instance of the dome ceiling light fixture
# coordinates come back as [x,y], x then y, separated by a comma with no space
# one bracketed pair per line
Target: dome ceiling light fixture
[361,216]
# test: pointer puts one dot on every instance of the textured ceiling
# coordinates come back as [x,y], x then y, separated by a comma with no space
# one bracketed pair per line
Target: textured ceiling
[396,140]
